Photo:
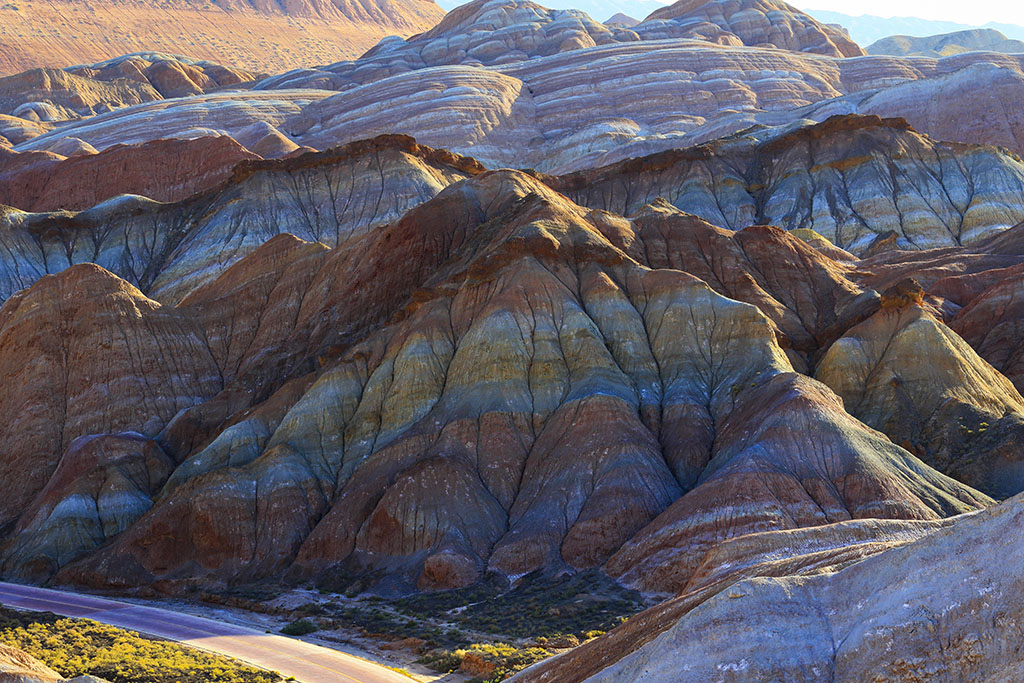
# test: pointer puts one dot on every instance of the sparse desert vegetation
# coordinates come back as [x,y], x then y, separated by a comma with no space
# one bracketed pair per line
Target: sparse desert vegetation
[77,647]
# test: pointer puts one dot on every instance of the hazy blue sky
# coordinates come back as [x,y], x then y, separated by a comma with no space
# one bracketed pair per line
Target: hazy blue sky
[974,12]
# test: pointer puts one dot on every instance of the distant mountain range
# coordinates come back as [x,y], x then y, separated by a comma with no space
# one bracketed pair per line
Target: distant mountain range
[944,44]
[866,29]
[239,34]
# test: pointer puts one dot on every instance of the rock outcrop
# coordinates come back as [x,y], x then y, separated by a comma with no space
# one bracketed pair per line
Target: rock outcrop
[48,94]
[788,457]
[943,586]
[733,336]
[514,84]
[848,179]
[169,249]
[154,363]
[17,666]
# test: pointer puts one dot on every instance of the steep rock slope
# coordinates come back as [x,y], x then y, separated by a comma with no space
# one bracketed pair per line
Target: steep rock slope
[790,457]
[155,362]
[993,324]
[247,35]
[954,409]
[808,296]
[943,586]
[529,340]
[855,180]
[103,483]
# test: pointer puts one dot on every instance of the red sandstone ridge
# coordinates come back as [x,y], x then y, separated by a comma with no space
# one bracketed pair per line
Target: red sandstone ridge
[154,364]
[163,170]
[267,37]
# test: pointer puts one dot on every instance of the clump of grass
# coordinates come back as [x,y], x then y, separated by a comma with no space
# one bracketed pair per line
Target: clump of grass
[79,647]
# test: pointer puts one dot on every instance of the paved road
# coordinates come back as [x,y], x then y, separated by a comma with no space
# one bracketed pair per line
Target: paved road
[291,657]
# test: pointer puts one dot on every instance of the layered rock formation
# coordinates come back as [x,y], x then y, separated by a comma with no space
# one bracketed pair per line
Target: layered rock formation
[247,35]
[748,367]
[850,179]
[956,411]
[515,84]
[538,332]
[757,23]
[162,170]
[933,608]
[497,32]
[155,362]
[245,116]
[169,249]
[48,94]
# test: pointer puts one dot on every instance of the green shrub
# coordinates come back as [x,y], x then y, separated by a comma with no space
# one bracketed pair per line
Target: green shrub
[505,659]
[300,627]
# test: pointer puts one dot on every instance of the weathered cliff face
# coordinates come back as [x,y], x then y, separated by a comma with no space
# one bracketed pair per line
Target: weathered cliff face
[943,585]
[788,457]
[589,389]
[170,249]
[737,336]
[854,180]
[991,323]
[103,483]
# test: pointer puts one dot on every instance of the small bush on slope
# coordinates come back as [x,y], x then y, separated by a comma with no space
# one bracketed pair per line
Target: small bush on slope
[300,627]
